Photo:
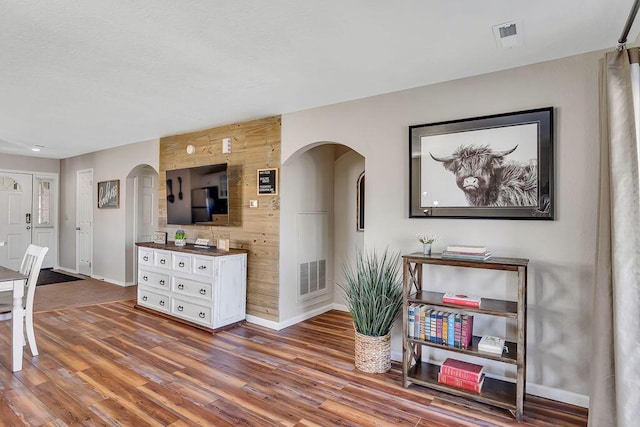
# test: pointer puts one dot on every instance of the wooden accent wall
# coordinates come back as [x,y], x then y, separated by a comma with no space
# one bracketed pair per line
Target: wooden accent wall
[255,145]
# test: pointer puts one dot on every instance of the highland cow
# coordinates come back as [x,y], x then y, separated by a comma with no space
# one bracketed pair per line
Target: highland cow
[487,180]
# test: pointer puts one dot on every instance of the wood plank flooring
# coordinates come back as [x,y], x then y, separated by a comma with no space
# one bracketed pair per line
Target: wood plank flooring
[110,364]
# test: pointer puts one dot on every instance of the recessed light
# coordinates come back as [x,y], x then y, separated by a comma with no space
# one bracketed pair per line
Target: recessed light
[35,149]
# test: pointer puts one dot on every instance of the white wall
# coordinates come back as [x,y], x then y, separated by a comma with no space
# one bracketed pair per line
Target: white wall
[109,232]
[561,251]
[346,238]
[307,187]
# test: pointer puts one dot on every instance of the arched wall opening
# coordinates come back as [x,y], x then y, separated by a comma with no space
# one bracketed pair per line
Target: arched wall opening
[319,227]
[141,214]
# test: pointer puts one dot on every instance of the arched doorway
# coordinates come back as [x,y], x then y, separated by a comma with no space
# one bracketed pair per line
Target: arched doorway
[141,213]
[319,226]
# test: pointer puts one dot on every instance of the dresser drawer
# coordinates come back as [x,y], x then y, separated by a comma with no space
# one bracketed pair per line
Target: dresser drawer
[154,279]
[162,259]
[181,263]
[145,256]
[156,301]
[191,311]
[203,266]
[192,288]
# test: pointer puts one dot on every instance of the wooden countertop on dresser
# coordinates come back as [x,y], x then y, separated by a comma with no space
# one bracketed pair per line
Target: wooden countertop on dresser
[191,249]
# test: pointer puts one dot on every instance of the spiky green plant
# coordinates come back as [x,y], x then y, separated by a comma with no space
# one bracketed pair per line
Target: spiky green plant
[373,291]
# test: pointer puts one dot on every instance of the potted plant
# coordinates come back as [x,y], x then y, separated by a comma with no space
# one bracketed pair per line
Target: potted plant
[373,295]
[426,240]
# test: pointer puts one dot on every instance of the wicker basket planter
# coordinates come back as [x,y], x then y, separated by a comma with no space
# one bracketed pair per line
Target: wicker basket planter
[373,354]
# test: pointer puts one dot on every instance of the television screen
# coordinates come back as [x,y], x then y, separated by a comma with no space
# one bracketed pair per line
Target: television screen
[198,195]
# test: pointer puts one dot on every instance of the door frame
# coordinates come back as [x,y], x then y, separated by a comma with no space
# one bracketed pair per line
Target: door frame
[77,225]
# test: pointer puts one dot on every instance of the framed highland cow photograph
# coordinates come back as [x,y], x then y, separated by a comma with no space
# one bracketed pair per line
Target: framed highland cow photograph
[498,167]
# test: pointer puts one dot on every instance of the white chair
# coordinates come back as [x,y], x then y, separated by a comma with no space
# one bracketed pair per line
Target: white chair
[31,264]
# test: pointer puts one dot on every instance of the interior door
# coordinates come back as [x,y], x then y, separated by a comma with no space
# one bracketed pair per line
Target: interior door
[15,217]
[84,222]
[146,207]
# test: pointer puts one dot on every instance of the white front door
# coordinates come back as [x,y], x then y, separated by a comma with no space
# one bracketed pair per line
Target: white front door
[84,221]
[15,217]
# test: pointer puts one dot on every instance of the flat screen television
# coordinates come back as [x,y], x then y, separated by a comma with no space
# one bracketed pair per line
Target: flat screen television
[198,195]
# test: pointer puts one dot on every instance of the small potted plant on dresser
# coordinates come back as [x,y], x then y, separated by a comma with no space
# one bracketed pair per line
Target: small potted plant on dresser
[373,295]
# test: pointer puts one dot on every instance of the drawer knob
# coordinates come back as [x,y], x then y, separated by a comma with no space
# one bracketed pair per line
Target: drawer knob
[180,286]
[146,258]
[162,302]
[144,298]
[202,267]
[181,264]
[201,315]
[203,291]
[180,308]
[145,278]
[161,282]
[162,261]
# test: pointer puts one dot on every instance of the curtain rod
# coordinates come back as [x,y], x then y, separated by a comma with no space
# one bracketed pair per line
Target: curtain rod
[622,41]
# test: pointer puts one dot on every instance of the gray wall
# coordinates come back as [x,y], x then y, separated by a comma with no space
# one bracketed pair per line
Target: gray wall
[561,251]
[29,164]
[109,232]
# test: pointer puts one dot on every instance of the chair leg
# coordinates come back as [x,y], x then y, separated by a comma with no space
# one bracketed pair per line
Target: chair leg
[31,336]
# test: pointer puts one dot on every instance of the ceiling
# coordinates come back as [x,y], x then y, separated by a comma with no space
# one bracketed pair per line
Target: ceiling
[85,75]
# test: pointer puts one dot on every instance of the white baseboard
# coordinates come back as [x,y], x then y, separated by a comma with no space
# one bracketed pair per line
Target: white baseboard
[68,270]
[104,279]
[290,322]
[559,395]
[340,307]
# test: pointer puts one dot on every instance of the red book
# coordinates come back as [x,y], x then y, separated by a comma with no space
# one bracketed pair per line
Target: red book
[462,370]
[460,383]
[460,299]
[466,331]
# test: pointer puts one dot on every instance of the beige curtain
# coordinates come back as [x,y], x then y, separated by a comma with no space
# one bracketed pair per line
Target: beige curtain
[615,368]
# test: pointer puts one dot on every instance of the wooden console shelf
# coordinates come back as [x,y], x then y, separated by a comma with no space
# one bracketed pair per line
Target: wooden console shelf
[503,394]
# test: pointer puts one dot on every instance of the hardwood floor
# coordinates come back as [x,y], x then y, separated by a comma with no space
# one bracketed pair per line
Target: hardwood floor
[110,364]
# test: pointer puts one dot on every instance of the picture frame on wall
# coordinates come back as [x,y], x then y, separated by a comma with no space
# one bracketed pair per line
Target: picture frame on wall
[498,167]
[109,194]
[268,181]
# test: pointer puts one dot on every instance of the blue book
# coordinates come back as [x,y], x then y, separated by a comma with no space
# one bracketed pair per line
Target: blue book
[410,324]
[451,329]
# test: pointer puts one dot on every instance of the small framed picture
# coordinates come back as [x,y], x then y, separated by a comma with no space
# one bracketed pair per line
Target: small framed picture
[160,237]
[223,245]
[268,181]
[109,194]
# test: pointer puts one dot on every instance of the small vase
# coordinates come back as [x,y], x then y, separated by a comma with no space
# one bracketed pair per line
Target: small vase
[426,248]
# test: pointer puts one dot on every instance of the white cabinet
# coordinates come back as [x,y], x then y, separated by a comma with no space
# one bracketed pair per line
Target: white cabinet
[206,287]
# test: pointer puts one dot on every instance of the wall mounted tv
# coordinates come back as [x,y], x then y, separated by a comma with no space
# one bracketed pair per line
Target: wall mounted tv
[198,195]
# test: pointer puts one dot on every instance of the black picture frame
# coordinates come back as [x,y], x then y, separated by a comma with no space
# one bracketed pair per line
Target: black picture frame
[109,194]
[497,167]
[268,181]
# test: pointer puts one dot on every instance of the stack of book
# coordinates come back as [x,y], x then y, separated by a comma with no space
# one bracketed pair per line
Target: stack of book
[460,299]
[464,375]
[438,326]
[467,252]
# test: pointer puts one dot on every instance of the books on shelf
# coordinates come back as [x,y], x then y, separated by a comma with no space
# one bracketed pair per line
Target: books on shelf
[467,252]
[493,345]
[438,326]
[461,383]
[460,299]
[466,256]
[460,369]
[478,250]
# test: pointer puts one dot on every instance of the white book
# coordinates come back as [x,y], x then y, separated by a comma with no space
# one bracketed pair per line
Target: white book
[467,249]
[489,344]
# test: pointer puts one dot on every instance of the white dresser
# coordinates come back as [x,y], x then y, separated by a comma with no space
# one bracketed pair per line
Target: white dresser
[203,286]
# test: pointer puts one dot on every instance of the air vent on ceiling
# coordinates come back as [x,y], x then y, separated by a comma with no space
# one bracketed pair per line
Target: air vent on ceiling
[508,35]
